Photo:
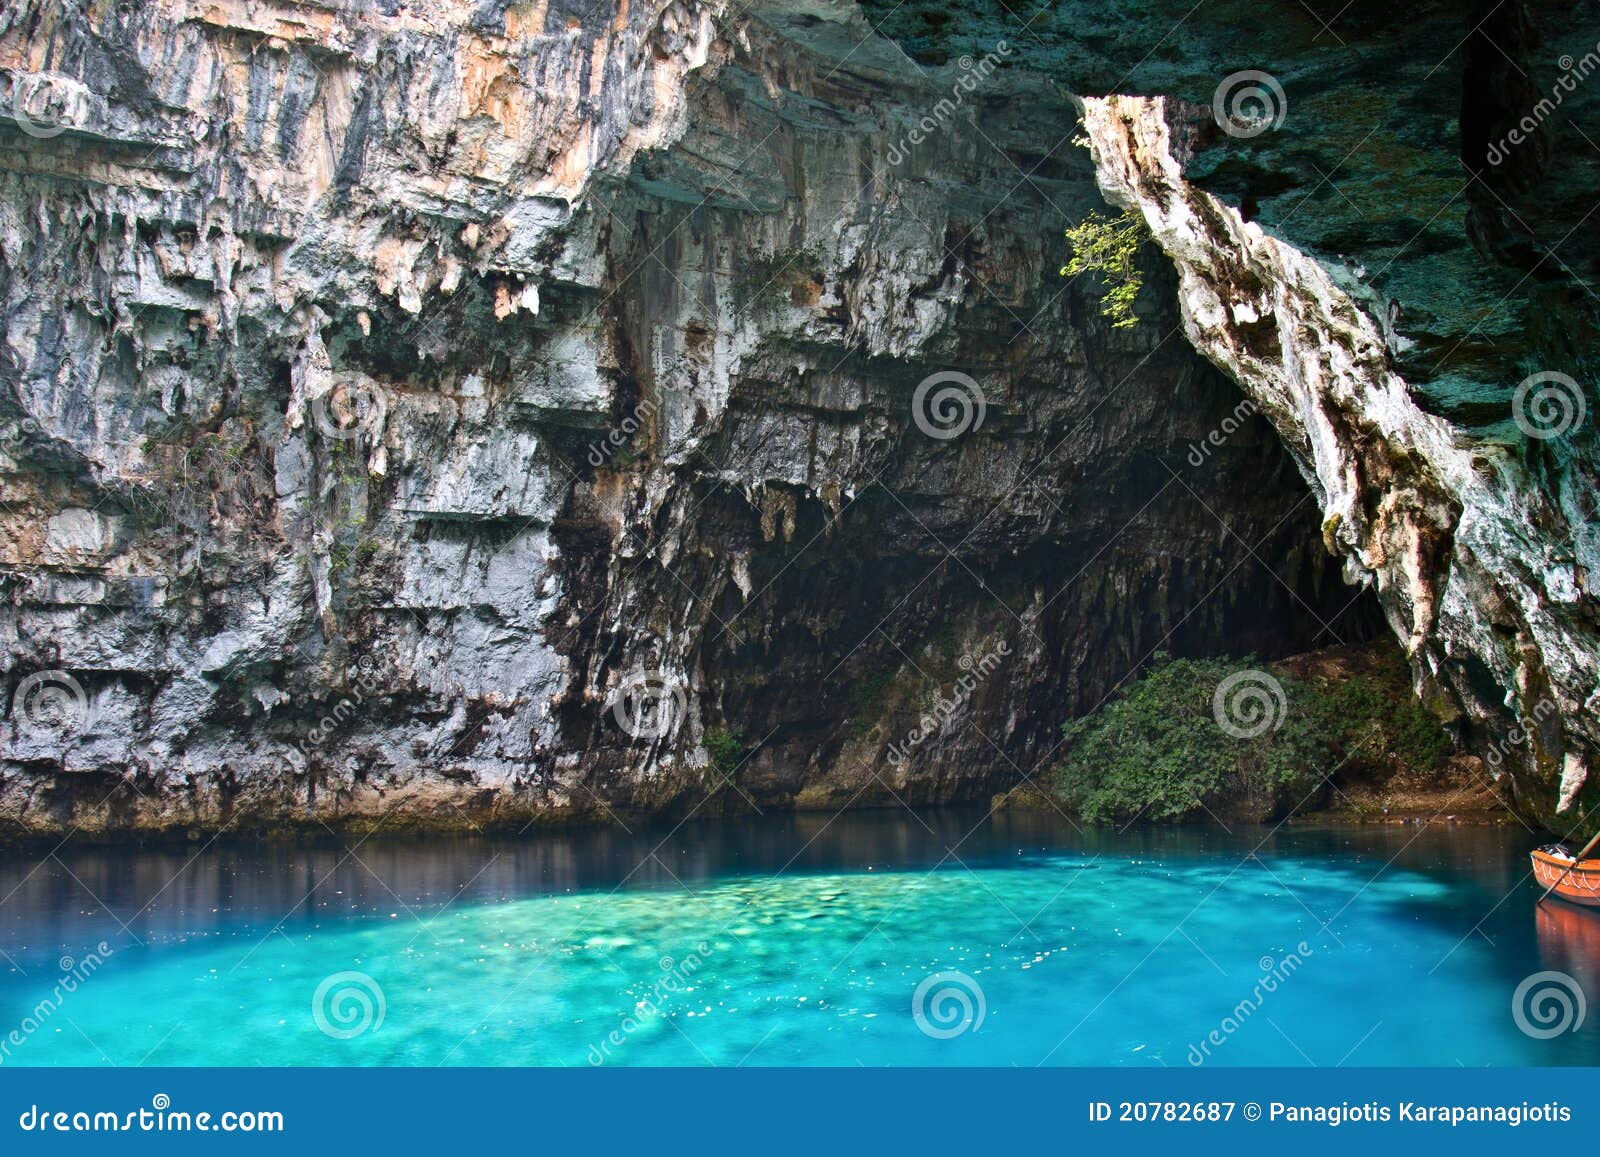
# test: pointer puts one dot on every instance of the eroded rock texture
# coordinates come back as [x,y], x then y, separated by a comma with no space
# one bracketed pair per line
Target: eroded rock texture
[1392,162]
[386,387]
[1483,574]
[1396,250]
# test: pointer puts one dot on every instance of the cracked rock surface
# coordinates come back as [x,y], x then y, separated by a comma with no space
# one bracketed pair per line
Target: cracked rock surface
[392,393]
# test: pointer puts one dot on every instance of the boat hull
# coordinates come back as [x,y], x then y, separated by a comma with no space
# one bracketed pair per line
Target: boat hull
[1579,885]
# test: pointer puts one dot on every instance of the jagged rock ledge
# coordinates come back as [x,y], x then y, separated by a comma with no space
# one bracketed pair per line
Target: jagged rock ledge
[638,299]
[1481,573]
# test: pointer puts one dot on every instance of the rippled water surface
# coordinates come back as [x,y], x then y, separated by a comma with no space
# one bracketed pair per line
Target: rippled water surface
[797,940]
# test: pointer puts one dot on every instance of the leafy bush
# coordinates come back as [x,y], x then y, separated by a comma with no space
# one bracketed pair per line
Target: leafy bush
[1109,246]
[1377,712]
[726,749]
[1156,751]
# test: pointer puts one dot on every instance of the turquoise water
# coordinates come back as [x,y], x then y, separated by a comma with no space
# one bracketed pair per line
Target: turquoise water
[1045,946]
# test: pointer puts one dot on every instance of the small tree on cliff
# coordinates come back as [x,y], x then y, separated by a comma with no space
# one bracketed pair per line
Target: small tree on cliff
[1109,246]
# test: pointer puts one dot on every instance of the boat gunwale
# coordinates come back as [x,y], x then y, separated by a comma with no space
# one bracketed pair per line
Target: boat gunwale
[1568,878]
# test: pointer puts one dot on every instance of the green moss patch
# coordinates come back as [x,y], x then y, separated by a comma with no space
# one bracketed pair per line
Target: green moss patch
[1157,751]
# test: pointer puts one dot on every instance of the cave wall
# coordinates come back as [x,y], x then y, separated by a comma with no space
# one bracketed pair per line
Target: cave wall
[1385,226]
[1472,558]
[1439,158]
[489,415]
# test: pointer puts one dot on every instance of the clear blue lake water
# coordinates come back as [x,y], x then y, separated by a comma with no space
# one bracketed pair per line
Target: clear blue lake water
[936,938]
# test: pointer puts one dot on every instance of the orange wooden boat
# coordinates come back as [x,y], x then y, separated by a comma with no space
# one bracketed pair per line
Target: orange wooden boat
[1562,874]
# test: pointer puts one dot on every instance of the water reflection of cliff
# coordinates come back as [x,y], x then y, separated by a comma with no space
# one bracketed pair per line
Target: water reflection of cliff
[78,896]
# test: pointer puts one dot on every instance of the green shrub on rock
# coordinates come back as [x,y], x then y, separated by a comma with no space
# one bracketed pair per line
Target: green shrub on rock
[726,749]
[1157,752]
[1109,247]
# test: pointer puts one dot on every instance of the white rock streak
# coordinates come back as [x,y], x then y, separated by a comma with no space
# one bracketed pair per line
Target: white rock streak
[1469,557]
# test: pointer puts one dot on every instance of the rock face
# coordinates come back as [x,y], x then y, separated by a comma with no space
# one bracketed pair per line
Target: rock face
[1482,575]
[1439,158]
[470,414]
[1415,301]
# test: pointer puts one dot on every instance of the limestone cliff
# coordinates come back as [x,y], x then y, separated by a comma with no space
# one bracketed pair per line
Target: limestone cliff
[1385,225]
[494,413]
[1482,574]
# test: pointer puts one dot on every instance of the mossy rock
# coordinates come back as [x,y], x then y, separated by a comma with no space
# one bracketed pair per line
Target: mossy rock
[1232,740]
